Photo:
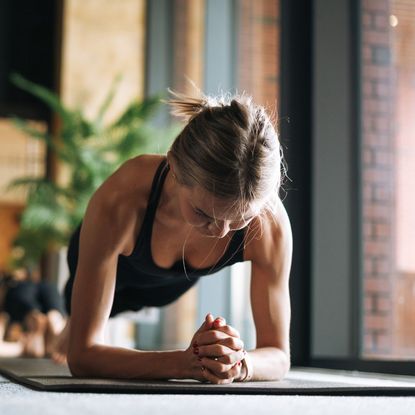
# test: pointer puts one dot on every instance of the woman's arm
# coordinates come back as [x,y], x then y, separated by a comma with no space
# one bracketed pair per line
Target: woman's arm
[270,299]
[103,238]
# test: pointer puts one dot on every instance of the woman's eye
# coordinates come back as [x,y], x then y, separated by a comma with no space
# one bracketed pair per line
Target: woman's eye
[200,213]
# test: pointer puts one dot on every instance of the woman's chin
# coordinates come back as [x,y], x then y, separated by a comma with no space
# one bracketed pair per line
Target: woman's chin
[205,232]
[202,230]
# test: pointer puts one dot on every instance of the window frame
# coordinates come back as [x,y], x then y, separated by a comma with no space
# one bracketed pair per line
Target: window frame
[296,141]
[305,29]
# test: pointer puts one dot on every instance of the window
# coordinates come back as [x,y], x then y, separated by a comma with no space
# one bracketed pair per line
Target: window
[20,156]
[362,299]
[388,171]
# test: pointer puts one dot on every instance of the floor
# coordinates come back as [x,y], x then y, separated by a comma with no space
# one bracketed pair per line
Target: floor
[16,399]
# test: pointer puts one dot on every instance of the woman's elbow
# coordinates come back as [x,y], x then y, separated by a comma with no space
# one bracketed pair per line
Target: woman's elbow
[78,363]
[284,365]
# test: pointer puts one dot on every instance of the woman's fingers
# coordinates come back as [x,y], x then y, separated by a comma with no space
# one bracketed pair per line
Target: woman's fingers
[229,330]
[212,378]
[217,337]
[216,350]
[219,350]
[205,327]
[229,359]
[220,325]
[224,363]
[207,324]
[218,373]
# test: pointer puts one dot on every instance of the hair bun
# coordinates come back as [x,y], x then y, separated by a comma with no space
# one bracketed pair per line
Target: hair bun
[187,107]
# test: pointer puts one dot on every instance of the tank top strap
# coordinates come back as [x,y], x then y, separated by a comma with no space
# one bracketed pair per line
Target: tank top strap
[157,186]
[153,200]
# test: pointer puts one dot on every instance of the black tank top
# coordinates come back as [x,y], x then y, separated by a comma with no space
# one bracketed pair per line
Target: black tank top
[138,269]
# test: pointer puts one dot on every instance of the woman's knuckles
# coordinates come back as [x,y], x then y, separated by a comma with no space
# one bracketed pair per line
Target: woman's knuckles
[229,330]
[215,336]
[227,359]
[233,343]
[210,337]
[226,374]
[216,377]
[213,350]
[225,371]
[220,369]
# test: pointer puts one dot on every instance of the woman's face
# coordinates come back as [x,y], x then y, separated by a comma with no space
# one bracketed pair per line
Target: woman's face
[211,216]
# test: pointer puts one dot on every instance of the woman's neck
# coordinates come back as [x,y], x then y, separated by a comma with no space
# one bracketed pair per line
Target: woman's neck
[168,207]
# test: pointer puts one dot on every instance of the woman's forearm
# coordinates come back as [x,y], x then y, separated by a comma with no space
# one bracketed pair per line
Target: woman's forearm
[116,362]
[268,363]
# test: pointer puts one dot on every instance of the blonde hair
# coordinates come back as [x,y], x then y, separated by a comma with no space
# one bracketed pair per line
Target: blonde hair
[229,147]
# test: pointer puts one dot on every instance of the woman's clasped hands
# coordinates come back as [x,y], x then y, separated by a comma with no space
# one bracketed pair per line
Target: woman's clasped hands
[216,352]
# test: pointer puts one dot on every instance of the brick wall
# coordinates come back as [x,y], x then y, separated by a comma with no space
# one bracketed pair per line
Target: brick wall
[404,280]
[378,178]
[388,173]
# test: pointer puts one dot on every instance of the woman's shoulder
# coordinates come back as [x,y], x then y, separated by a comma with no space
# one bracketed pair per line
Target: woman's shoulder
[120,202]
[144,162]
[131,181]
[137,172]
[268,236]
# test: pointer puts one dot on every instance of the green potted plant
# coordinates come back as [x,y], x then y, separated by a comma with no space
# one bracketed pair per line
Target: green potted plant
[90,151]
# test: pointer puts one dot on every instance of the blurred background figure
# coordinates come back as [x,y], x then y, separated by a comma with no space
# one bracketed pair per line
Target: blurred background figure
[31,314]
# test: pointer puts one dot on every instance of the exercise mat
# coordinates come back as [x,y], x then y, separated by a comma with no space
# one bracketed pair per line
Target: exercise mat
[45,375]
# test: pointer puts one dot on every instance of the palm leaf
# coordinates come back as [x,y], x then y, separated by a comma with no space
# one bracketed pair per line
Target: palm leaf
[106,103]
[91,152]
[136,112]
[45,95]
[38,184]
[24,126]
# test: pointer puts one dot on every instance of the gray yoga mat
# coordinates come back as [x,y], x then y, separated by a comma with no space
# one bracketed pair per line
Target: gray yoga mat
[44,375]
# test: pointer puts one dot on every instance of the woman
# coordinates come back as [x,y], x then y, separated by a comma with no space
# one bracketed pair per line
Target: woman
[160,223]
